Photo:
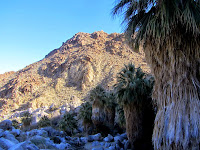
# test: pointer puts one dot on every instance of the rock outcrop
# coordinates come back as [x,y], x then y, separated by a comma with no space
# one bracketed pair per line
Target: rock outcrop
[70,71]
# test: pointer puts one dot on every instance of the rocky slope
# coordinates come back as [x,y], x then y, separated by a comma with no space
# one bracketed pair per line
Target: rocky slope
[67,74]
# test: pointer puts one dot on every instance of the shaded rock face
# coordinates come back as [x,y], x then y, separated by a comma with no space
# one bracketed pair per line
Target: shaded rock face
[77,66]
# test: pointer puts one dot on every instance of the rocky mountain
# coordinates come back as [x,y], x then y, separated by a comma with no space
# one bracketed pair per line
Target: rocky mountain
[67,74]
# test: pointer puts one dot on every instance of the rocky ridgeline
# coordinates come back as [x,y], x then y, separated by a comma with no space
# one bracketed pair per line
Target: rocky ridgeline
[70,71]
[49,138]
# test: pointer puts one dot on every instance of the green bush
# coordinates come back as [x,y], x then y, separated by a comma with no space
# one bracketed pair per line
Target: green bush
[15,124]
[44,122]
[26,119]
[68,123]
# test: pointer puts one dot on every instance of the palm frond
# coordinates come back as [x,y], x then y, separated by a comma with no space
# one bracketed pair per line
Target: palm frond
[157,18]
[132,85]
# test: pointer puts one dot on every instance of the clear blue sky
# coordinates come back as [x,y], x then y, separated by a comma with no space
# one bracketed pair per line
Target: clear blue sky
[30,29]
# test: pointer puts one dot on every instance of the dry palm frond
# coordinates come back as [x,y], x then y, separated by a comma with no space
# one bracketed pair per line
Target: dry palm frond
[170,33]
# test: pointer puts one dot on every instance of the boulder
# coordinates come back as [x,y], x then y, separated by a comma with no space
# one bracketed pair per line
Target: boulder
[117,147]
[27,145]
[5,143]
[56,139]
[37,132]
[75,141]
[124,136]
[102,143]
[100,148]
[22,137]
[112,148]
[118,138]
[120,143]
[1,132]
[63,146]
[36,116]
[107,144]
[84,139]
[6,125]
[15,132]
[90,138]
[127,145]
[7,135]
[43,143]
[109,138]
[95,143]
[97,137]
[52,132]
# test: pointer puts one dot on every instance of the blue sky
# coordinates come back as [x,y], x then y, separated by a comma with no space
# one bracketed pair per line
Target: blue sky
[30,29]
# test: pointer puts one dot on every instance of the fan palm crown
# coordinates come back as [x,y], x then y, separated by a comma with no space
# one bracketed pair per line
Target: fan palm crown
[132,85]
[158,18]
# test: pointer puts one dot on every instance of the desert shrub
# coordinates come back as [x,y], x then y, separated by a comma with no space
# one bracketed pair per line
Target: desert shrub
[68,123]
[15,124]
[26,118]
[44,122]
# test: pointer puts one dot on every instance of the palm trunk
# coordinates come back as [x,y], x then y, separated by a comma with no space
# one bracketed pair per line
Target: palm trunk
[98,115]
[110,117]
[133,118]
[175,65]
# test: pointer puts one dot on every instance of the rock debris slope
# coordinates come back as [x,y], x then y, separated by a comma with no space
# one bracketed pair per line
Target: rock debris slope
[67,74]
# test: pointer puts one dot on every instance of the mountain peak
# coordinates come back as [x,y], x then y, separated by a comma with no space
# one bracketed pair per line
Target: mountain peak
[80,64]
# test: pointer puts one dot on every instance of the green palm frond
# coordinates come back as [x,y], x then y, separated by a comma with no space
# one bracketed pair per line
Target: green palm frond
[110,102]
[132,85]
[98,93]
[68,123]
[85,112]
[157,18]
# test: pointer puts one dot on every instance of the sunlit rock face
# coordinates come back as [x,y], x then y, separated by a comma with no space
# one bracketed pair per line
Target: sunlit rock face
[72,70]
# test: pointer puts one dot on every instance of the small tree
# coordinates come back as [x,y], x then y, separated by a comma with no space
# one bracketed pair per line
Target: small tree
[68,123]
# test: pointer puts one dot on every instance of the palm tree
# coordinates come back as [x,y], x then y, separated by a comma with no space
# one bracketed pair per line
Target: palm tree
[120,118]
[133,91]
[169,32]
[85,115]
[68,123]
[97,96]
[109,109]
